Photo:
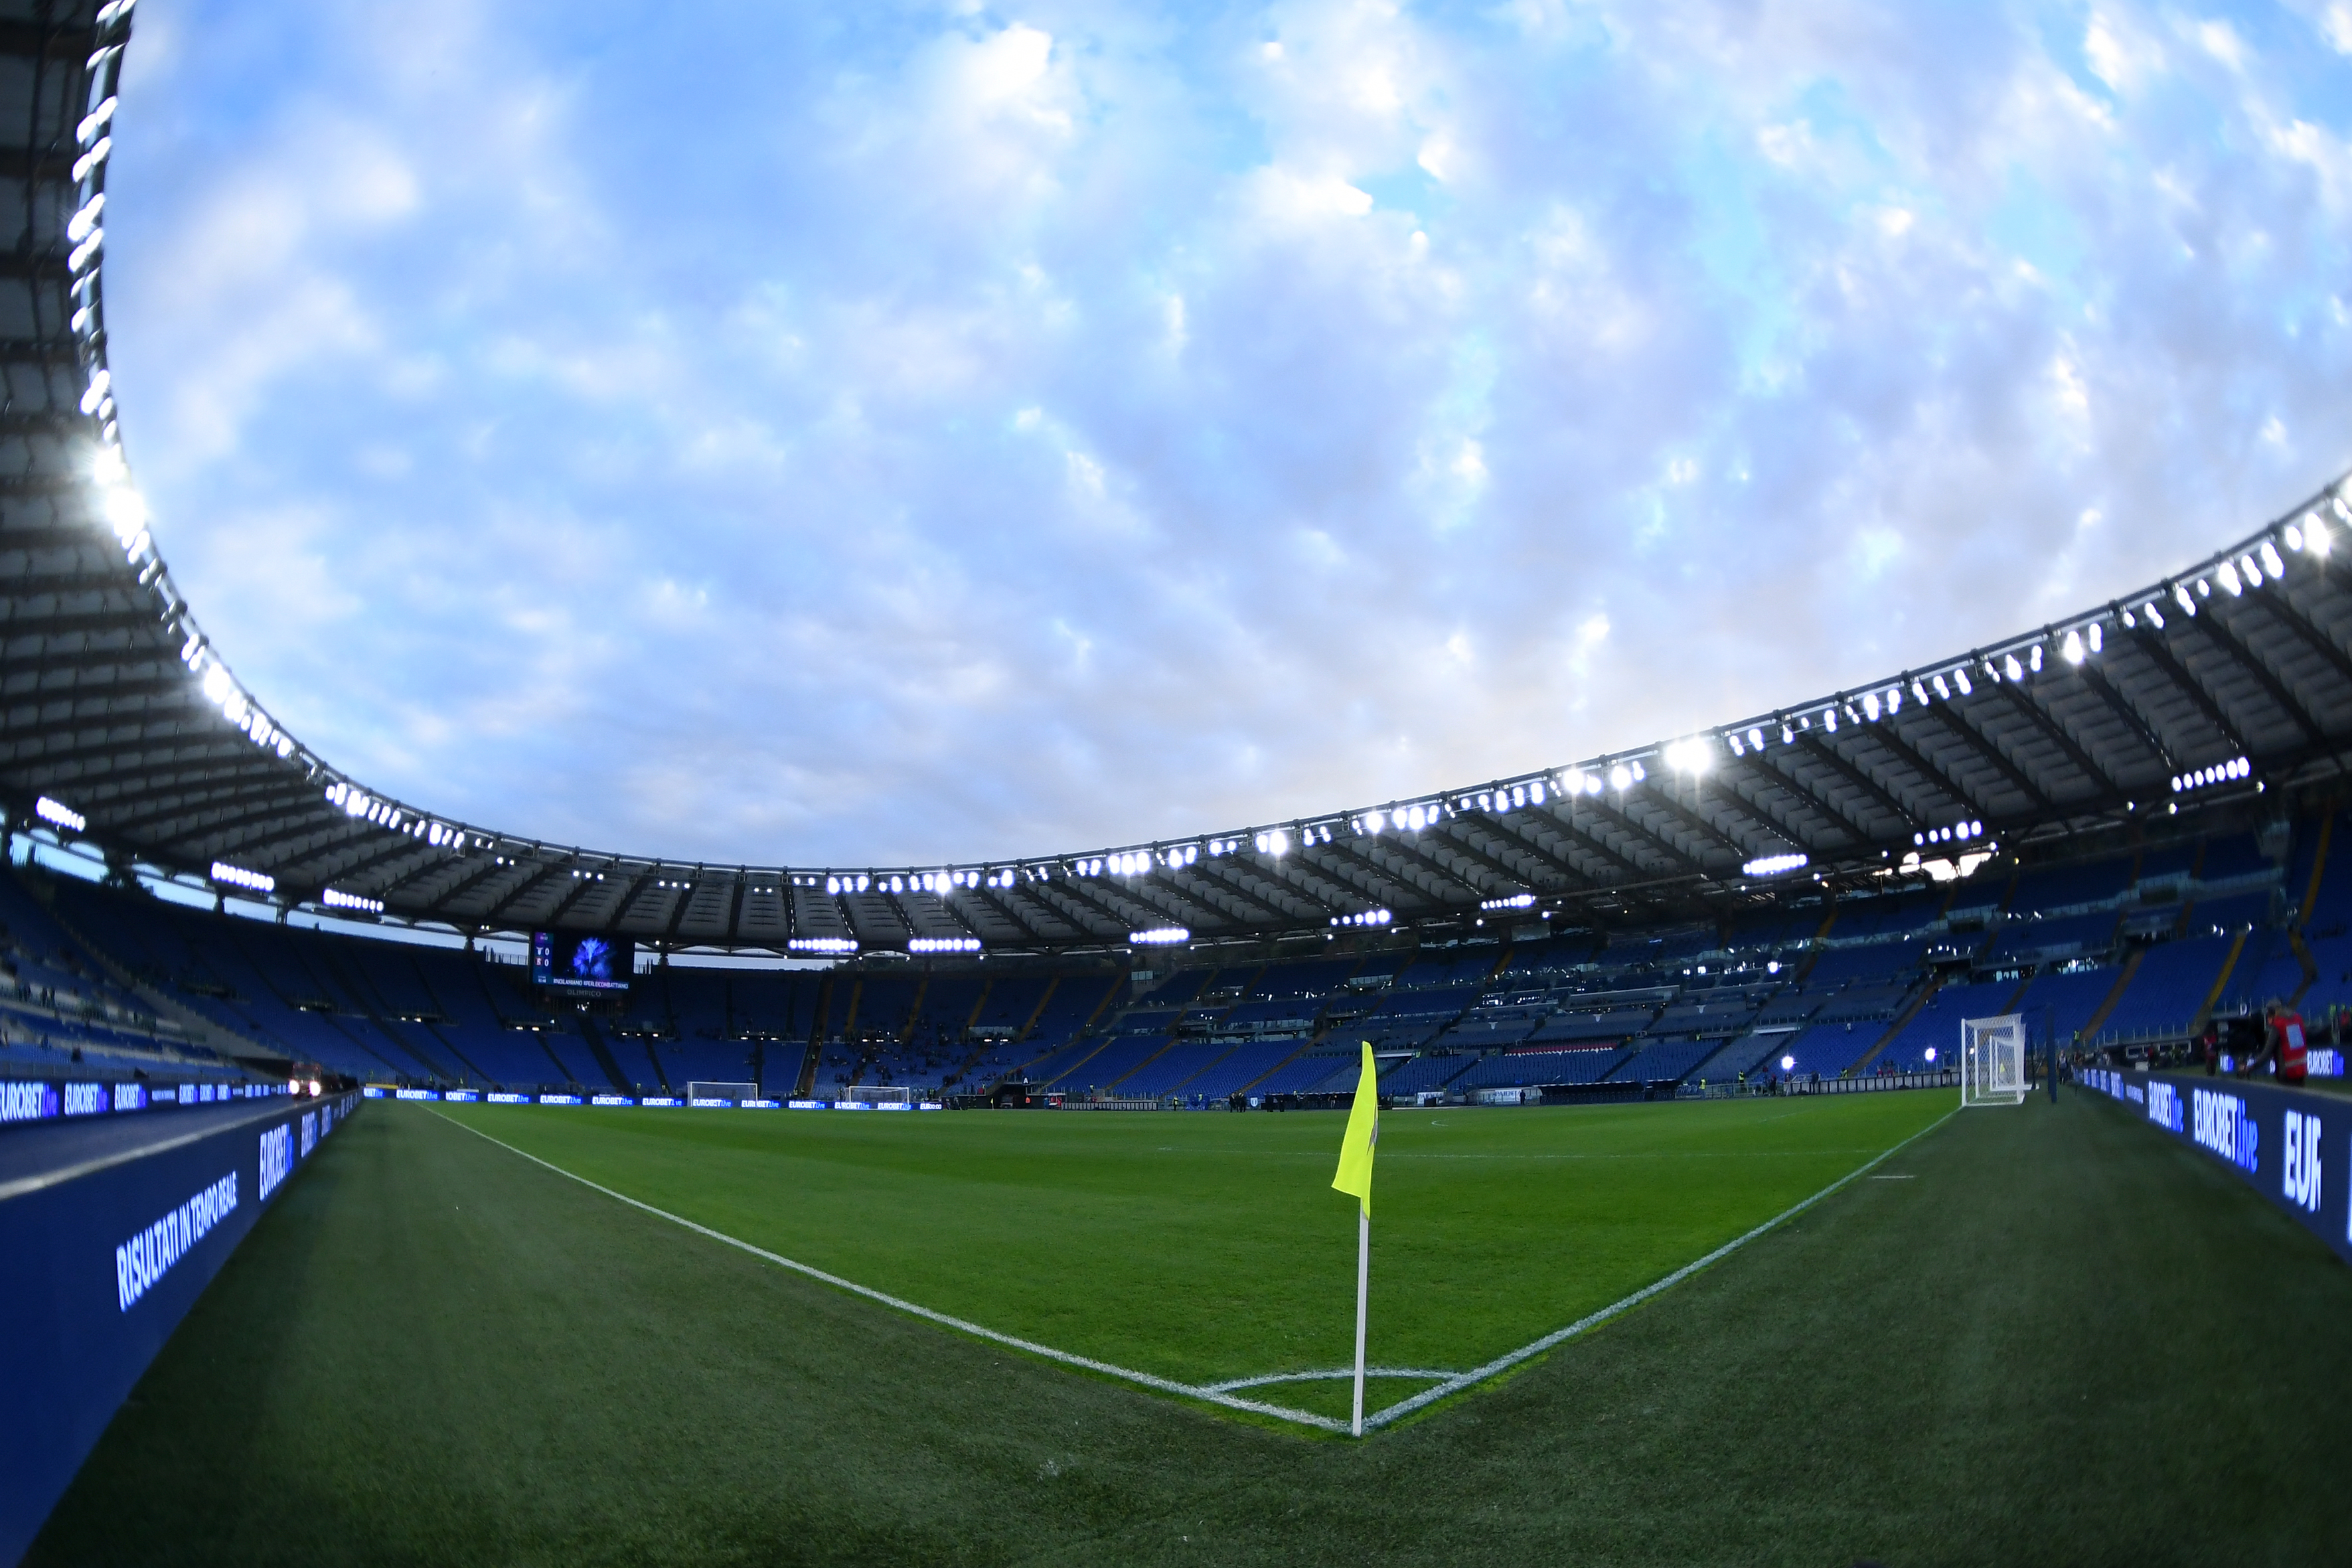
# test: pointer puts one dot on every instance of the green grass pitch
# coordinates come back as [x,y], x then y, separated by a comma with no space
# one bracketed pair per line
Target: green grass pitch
[2048,1335]
[1205,1248]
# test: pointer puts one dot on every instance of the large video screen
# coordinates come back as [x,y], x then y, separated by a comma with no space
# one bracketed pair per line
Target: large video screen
[572,961]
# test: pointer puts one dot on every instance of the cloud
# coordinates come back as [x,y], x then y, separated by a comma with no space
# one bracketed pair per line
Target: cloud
[901,435]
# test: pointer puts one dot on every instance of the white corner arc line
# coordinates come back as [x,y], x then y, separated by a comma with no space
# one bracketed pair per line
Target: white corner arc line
[1163,1384]
[1510,1359]
[1216,1393]
[1420,1374]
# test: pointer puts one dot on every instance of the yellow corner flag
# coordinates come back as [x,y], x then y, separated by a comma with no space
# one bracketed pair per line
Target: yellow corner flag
[1355,1176]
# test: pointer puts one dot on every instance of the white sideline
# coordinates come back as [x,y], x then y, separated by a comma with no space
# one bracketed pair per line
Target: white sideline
[1592,1320]
[1220,1393]
[1165,1385]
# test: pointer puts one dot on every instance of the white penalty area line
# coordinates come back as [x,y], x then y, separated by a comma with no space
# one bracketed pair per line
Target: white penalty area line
[1224,1394]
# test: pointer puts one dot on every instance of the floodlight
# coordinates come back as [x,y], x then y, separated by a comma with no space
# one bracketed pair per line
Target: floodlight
[1788,1064]
[1621,778]
[2097,639]
[1773,865]
[1930,1053]
[2033,659]
[2229,576]
[58,812]
[1960,679]
[2073,650]
[95,121]
[239,875]
[2316,536]
[2271,564]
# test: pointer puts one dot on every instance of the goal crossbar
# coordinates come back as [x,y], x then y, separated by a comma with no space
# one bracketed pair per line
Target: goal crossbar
[706,1088]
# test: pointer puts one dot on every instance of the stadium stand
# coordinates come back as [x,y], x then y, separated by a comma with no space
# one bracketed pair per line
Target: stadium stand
[2125,949]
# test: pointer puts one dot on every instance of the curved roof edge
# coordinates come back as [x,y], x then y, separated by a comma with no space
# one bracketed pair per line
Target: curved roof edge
[122,727]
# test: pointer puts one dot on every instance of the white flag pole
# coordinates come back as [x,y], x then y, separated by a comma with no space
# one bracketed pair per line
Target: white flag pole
[1363,1283]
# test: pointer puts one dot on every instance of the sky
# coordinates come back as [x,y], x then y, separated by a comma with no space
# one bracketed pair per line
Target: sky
[890,434]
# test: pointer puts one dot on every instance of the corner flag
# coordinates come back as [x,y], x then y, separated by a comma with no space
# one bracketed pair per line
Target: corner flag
[1355,1179]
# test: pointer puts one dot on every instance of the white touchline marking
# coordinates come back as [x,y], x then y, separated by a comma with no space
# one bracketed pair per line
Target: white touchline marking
[1594,1319]
[1164,1385]
[1217,1394]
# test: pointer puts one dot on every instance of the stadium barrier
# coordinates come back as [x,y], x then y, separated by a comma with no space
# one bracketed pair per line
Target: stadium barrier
[2294,1146]
[651,1101]
[106,1255]
[26,1101]
[1872,1083]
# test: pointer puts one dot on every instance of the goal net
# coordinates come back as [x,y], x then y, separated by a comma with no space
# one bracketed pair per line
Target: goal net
[1993,1060]
[699,1090]
[879,1094]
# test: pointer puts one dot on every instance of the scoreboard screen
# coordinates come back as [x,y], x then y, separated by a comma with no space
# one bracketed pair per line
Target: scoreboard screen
[576,961]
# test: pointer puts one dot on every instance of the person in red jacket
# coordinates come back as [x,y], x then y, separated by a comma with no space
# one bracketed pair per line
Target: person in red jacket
[2283,1046]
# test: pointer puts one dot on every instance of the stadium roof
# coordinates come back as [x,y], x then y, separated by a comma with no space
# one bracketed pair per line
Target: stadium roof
[123,729]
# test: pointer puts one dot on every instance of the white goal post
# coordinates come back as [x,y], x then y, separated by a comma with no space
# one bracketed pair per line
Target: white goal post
[879,1094]
[1993,1060]
[738,1092]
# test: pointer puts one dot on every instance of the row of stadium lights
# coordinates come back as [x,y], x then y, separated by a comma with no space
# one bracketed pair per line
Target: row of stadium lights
[2236,768]
[125,510]
[227,873]
[127,514]
[1691,755]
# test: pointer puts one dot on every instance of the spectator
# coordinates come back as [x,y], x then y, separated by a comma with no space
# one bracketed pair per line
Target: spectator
[2285,1045]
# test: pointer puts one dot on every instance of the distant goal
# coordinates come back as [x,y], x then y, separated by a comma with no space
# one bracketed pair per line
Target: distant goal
[700,1089]
[1993,1060]
[879,1094]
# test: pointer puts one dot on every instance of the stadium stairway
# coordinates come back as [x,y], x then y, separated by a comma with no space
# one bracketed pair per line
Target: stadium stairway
[2213,998]
[621,1081]
[2090,1030]
[199,1028]
[1902,1022]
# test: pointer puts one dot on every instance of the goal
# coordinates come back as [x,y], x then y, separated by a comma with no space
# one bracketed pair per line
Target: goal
[879,1094]
[1993,1060]
[730,1092]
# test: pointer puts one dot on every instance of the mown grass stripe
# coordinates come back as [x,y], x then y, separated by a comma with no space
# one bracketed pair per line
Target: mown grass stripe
[1221,1393]
[1510,1359]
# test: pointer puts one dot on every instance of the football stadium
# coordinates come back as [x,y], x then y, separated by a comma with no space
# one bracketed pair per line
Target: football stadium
[1905,1124]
